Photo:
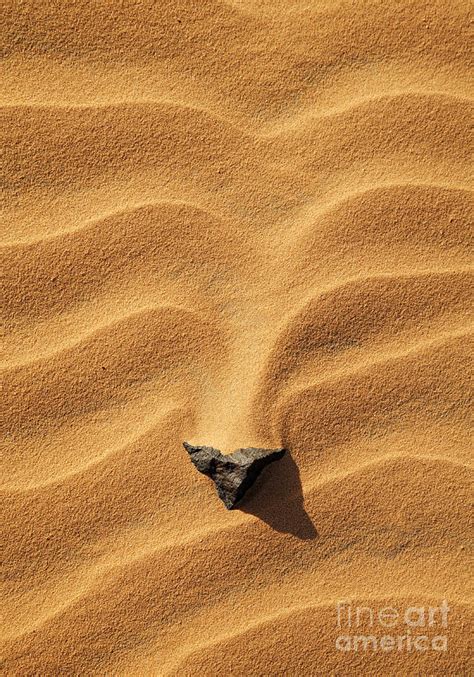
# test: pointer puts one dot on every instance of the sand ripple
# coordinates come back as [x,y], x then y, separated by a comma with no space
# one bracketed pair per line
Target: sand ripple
[234,223]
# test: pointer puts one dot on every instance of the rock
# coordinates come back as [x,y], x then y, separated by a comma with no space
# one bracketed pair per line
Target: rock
[232,473]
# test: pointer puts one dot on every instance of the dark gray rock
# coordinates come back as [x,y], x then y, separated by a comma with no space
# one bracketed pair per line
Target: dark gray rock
[232,473]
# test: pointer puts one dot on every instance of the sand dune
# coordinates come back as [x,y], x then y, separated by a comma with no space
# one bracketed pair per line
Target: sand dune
[238,224]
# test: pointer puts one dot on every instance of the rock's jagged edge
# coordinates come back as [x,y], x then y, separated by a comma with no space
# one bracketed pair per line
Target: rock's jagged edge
[233,474]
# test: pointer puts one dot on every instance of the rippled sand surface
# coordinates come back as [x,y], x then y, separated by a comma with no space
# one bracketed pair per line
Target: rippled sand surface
[236,223]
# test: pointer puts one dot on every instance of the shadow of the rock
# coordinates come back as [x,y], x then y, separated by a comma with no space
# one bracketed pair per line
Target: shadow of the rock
[277,499]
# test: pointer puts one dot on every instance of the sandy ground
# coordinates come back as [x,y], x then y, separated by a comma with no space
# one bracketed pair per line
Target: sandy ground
[236,223]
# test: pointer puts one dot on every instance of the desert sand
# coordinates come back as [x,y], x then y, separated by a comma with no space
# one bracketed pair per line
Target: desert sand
[236,223]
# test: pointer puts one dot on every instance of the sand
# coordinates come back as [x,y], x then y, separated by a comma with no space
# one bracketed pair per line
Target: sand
[236,223]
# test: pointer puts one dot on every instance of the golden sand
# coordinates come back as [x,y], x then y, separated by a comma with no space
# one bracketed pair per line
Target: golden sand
[237,223]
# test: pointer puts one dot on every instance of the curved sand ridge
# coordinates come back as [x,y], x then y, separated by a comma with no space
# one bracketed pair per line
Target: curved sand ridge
[238,224]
